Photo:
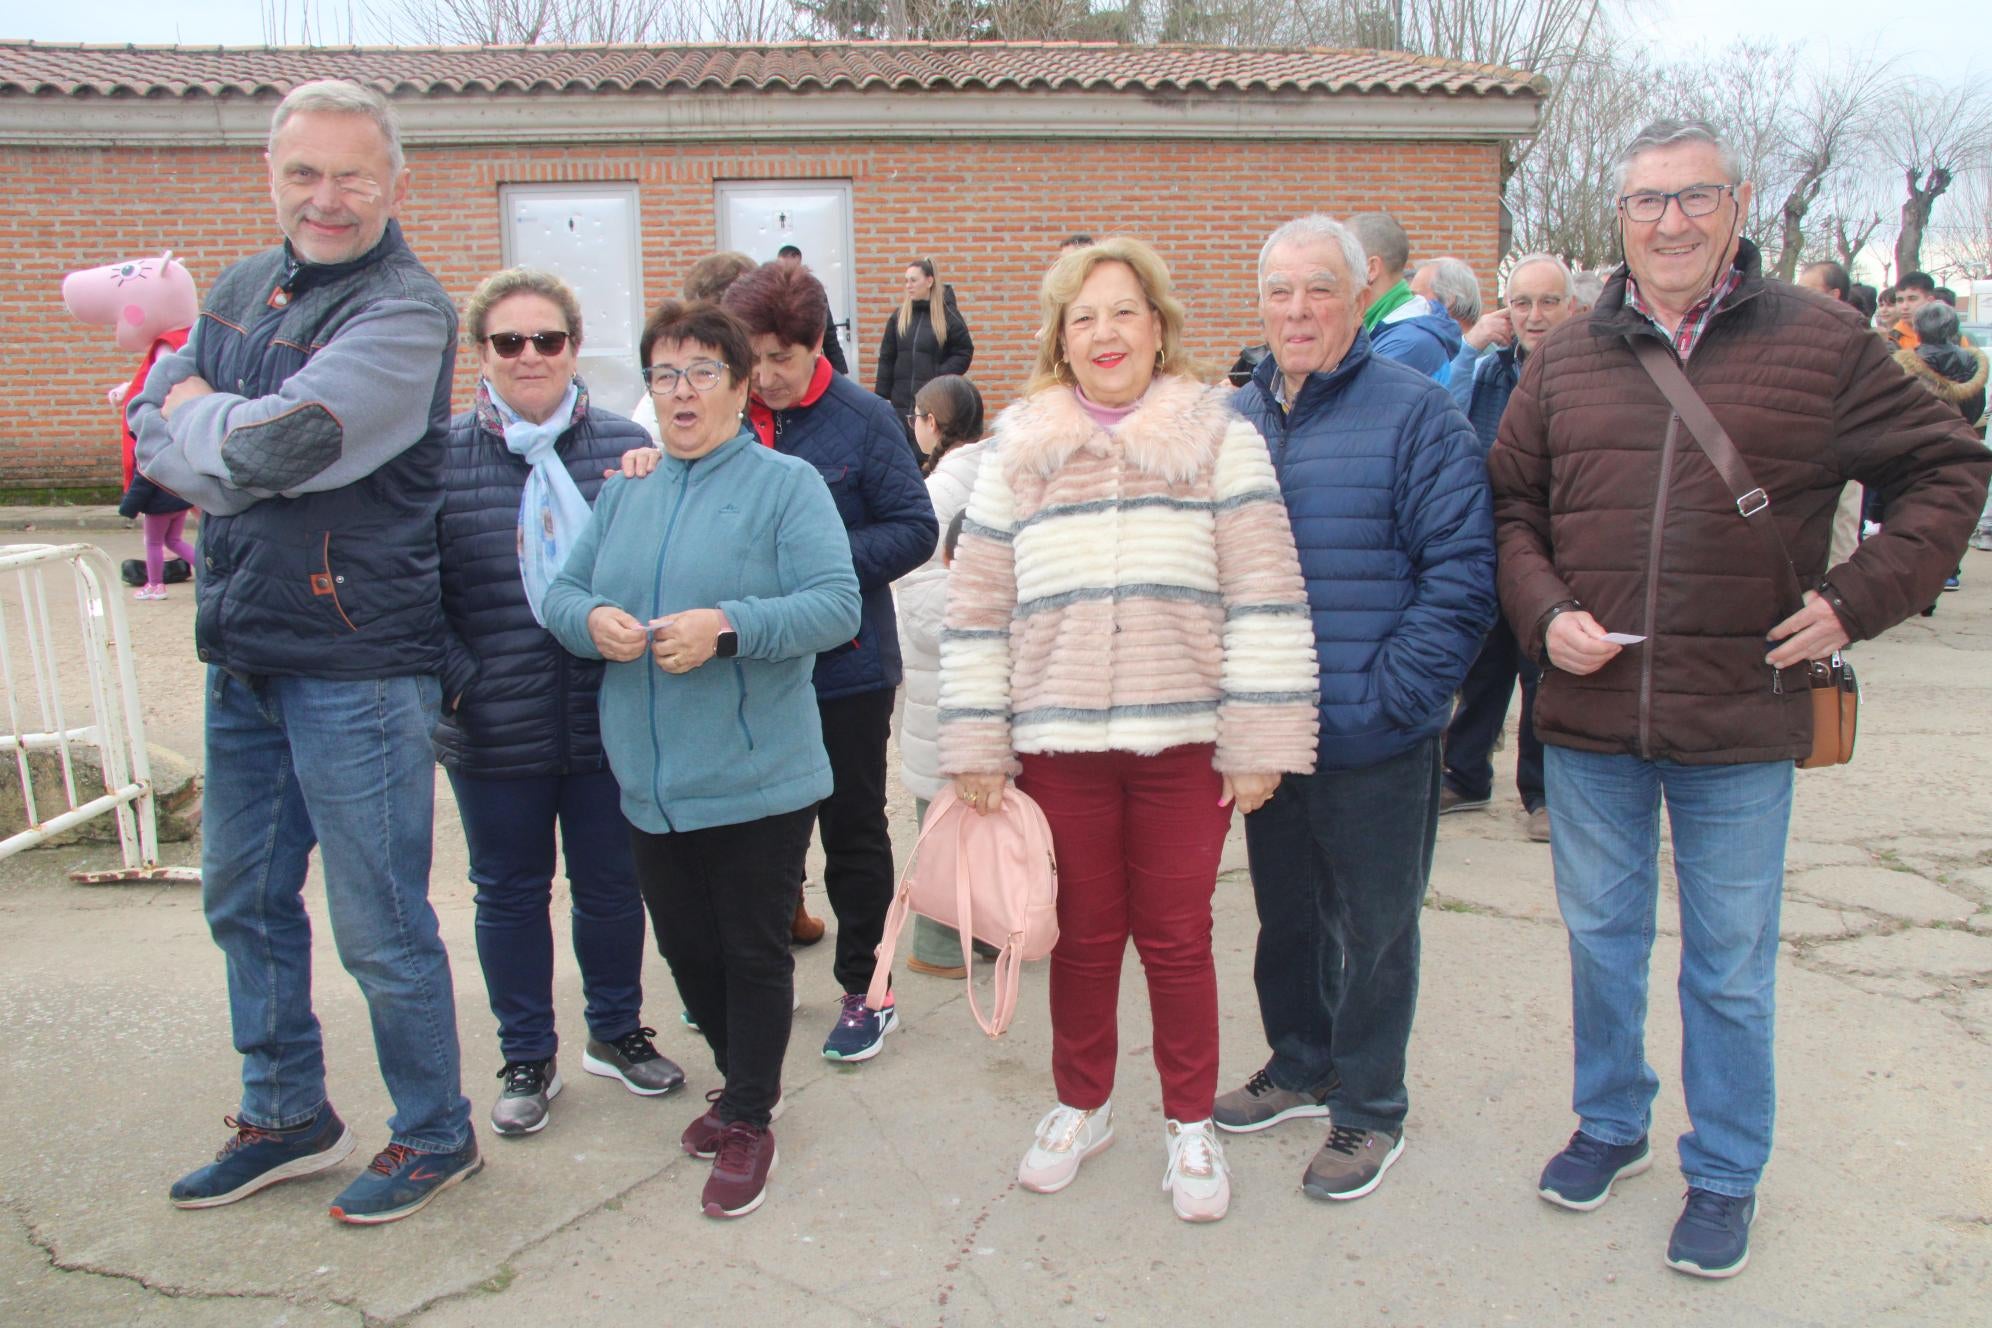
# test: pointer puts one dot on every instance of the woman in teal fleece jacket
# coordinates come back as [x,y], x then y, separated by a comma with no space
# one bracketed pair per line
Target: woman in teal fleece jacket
[710,586]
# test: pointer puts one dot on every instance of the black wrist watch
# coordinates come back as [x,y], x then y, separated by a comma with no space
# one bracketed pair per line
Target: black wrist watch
[727,645]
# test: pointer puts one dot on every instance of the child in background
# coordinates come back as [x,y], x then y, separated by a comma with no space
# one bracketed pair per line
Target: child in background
[165,519]
[947,425]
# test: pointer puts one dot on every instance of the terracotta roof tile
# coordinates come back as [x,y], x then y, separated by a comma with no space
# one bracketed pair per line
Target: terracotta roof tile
[211,71]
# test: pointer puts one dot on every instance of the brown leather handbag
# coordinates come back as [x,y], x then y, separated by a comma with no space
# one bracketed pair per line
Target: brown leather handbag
[1836,693]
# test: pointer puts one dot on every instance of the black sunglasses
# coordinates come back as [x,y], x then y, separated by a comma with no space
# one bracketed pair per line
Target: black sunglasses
[511,345]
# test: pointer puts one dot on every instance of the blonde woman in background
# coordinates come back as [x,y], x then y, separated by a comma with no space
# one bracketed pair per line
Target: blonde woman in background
[919,345]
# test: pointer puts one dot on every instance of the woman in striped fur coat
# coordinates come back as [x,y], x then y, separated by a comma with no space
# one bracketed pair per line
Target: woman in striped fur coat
[1127,636]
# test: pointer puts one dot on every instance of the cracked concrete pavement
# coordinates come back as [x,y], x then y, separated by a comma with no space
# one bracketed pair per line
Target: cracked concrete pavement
[894,1202]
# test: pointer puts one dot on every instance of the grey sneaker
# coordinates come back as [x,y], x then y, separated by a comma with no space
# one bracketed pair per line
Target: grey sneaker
[632,1059]
[1351,1162]
[1262,1104]
[530,1086]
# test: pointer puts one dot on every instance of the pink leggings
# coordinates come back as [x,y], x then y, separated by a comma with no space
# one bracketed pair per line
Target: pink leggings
[163,533]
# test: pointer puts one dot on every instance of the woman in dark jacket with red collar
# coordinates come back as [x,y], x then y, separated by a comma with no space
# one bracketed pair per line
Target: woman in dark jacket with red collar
[520,736]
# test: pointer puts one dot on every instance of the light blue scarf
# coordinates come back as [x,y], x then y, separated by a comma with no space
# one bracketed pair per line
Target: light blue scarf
[551,508]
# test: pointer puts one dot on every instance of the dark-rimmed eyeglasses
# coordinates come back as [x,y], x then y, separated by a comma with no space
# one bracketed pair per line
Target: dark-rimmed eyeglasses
[919,415]
[511,345]
[703,375]
[1697,200]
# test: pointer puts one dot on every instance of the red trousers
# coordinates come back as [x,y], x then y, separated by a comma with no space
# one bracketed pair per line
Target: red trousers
[1138,840]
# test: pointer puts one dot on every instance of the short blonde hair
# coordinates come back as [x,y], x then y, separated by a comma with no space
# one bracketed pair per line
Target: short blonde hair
[512,281]
[1061,287]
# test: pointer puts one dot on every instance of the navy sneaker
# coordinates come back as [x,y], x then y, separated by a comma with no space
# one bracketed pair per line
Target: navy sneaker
[257,1158]
[860,1031]
[1952,582]
[1582,1175]
[402,1181]
[1712,1237]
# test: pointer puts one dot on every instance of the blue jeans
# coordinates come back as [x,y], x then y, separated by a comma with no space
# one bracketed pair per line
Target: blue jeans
[1340,861]
[345,766]
[1729,825]
[509,825]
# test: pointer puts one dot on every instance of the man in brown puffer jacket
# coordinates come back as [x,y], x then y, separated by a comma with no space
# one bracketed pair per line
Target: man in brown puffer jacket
[1675,656]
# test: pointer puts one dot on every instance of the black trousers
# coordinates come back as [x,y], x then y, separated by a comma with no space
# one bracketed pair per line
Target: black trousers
[857,845]
[721,901]
[1483,709]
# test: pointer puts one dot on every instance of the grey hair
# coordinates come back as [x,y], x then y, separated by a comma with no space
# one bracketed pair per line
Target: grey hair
[1569,278]
[1935,321]
[1383,238]
[1666,134]
[1457,288]
[501,286]
[338,96]
[1587,288]
[1315,226]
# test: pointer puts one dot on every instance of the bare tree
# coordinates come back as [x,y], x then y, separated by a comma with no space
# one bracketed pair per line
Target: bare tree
[1562,193]
[1937,132]
[1830,131]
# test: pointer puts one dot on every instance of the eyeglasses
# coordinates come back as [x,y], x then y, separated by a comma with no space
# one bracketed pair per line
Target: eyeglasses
[1697,200]
[511,345]
[919,415]
[1522,304]
[703,375]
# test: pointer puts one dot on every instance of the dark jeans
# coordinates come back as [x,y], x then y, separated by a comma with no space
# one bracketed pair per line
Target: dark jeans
[1340,859]
[1483,709]
[721,901]
[857,845]
[509,824]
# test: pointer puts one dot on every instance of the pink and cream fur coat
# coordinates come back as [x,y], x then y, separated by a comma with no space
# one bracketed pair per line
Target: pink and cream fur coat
[1127,588]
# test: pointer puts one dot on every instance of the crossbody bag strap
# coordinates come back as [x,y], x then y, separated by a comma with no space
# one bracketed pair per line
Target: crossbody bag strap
[1752,503]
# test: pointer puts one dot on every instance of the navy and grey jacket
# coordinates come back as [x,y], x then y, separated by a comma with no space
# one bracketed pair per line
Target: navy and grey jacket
[516,704]
[1481,383]
[1387,491]
[857,444]
[317,459]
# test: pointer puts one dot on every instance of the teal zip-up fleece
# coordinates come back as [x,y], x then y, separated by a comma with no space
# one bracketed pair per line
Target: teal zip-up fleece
[756,535]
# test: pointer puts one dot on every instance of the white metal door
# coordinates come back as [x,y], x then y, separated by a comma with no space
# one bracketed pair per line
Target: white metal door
[759,217]
[588,236]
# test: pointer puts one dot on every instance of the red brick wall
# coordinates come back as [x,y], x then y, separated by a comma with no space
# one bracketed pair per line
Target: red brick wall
[988,213]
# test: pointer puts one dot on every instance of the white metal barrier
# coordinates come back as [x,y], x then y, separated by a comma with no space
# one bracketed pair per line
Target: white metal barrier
[110,722]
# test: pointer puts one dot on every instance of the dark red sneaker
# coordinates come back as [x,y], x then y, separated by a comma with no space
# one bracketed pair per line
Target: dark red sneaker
[701,1137]
[739,1180]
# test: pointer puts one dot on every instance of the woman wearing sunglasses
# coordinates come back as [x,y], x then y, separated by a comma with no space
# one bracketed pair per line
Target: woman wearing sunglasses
[519,734]
[709,586]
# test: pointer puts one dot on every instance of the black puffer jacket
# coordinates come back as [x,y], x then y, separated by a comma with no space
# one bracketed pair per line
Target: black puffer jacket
[908,363]
[527,707]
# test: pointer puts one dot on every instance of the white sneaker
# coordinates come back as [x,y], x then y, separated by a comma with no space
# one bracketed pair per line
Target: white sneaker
[1065,1138]
[1197,1179]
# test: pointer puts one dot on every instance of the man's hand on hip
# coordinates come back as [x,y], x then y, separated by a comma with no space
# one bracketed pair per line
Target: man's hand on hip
[1814,632]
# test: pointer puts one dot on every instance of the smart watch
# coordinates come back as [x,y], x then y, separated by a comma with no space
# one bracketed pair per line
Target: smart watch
[726,645]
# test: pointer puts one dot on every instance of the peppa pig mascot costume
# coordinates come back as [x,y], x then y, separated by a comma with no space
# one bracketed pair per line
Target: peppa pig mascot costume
[152,305]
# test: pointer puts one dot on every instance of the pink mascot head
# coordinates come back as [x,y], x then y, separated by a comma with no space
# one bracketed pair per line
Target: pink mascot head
[144,299]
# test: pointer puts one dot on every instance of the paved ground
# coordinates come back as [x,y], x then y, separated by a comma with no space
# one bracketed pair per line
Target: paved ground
[894,1202]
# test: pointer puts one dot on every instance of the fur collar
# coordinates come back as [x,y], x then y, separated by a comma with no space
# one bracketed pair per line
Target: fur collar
[1953,392]
[1173,432]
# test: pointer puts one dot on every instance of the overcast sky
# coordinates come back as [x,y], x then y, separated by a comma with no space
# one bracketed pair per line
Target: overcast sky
[1934,39]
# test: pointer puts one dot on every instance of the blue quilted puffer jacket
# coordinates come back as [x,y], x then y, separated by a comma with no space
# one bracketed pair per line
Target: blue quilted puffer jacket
[855,441]
[516,704]
[1387,491]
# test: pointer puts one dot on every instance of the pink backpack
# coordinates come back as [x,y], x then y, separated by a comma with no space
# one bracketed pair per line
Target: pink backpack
[994,879]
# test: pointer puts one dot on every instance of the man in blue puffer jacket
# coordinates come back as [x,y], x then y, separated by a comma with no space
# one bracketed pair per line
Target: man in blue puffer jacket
[801,407]
[1402,325]
[1384,483]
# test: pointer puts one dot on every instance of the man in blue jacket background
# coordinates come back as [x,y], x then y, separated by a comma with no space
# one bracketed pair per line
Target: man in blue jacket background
[1402,325]
[1387,491]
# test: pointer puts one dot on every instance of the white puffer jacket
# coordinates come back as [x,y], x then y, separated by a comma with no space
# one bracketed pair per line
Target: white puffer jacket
[922,595]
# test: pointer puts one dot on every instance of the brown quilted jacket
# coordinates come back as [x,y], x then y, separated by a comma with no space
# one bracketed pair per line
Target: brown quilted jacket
[1602,496]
